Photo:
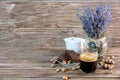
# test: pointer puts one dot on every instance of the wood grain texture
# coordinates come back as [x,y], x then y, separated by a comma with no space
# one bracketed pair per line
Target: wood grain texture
[33,31]
[46,24]
[35,62]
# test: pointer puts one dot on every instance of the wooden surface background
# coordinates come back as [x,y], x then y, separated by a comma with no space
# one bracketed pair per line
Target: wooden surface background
[32,31]
[46,24]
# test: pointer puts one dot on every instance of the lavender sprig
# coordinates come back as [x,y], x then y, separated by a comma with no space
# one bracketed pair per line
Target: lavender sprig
[95,22]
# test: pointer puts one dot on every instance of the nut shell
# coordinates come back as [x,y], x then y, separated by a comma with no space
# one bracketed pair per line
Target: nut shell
[64,69]
[69,62]
[110,72]
[73,68]
[110,61]
[51,60]
[58,70]
[53,65]
[105,66]
[101,63]
[64,62]
[65,77]
[112,57]
[108,58]
[113,62]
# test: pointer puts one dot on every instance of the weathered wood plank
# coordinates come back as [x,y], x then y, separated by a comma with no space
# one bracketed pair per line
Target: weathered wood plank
[34,62]
[33,31]
[58,78]
[31,22]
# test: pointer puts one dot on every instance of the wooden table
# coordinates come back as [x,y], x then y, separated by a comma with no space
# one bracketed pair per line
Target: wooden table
[34,64]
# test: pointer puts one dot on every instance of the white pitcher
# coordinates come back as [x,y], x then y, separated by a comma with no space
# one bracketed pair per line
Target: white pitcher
[74,43]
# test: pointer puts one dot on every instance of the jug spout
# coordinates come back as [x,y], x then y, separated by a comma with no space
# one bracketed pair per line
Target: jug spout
[68,39]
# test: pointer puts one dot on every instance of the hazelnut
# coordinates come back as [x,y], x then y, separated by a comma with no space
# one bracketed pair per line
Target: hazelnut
[113,62]
[64,62]
[110,61]
[112,57]
[108,58]
[52,65]
[64,69]
[101,63]
[113,66]
[51,60]
[73,68]
[54,62]
[65,77]
[69,62]
[110,72]
[58,70]
[105,66]
[109,66]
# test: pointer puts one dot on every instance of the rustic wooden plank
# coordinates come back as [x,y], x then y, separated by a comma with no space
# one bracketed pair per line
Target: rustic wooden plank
[35,20]
[58,78]
[52,73]
[33,32]
[32,64]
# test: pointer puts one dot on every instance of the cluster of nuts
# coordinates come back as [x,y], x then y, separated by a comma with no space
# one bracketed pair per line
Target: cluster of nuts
[67,62]
[63,69]
[107,63]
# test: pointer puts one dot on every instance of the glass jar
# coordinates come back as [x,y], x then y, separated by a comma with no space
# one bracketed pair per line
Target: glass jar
[100,45]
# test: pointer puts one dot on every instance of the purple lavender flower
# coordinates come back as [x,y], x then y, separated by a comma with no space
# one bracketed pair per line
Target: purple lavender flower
[95,22]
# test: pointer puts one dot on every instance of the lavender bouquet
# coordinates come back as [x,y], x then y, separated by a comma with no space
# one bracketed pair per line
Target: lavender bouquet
[95,21]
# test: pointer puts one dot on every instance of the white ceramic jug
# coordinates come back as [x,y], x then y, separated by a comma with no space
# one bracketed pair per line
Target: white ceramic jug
[74,43]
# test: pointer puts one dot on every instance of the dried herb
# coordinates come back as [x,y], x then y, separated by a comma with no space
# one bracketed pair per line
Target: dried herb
[95,21]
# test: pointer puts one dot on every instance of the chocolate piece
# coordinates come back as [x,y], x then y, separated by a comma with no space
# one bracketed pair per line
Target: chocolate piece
[72,56]
[69,55]
[63,57]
